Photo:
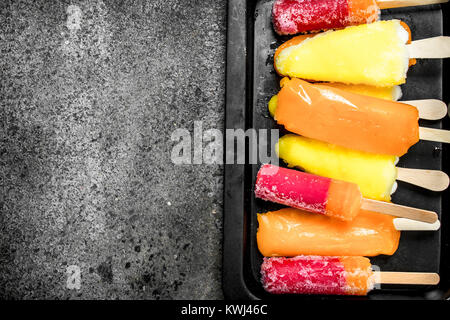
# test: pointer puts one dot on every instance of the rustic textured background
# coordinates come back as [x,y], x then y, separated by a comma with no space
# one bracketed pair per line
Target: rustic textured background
[91,204]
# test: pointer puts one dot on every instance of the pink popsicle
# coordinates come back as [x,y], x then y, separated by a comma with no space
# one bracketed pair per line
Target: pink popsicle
[292,188]
[308,192]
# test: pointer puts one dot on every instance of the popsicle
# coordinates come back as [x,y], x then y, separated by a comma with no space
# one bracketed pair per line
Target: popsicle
[332,275]
[389,93]
[334,198]
[375,174]
[377,54]
[292,232]
[429,109]
[299,16]
[350,120]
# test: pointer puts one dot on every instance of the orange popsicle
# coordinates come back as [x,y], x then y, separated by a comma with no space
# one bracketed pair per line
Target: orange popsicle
[347,119]
[291,232]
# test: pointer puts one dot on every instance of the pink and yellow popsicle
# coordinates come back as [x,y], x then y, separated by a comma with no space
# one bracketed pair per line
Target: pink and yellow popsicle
[331,275]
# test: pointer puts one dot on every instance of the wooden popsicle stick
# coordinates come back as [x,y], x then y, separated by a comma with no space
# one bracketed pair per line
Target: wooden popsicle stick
[432,134]
[434,180]
[402,224]
[399,211]
[386,4]
[424,278]
[430,48]
[429,109]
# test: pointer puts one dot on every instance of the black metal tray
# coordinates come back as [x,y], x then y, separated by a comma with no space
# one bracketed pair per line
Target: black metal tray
[251,81]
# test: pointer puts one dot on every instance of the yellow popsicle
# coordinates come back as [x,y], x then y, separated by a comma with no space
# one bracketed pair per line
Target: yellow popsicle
[374,174]
[372,54]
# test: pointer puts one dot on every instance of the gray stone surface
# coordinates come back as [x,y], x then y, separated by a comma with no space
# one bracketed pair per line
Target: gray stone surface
[90,94]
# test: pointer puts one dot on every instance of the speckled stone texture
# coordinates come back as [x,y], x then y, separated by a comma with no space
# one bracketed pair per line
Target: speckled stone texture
[91,205]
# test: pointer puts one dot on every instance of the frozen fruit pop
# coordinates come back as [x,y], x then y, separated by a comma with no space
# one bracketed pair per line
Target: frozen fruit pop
[299,16]
[331,275]
[375,174]
[429,109]
[347,119]
[335,198]
[377,54]
[352,120]
[388,93]
[372,54]
[292,232]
